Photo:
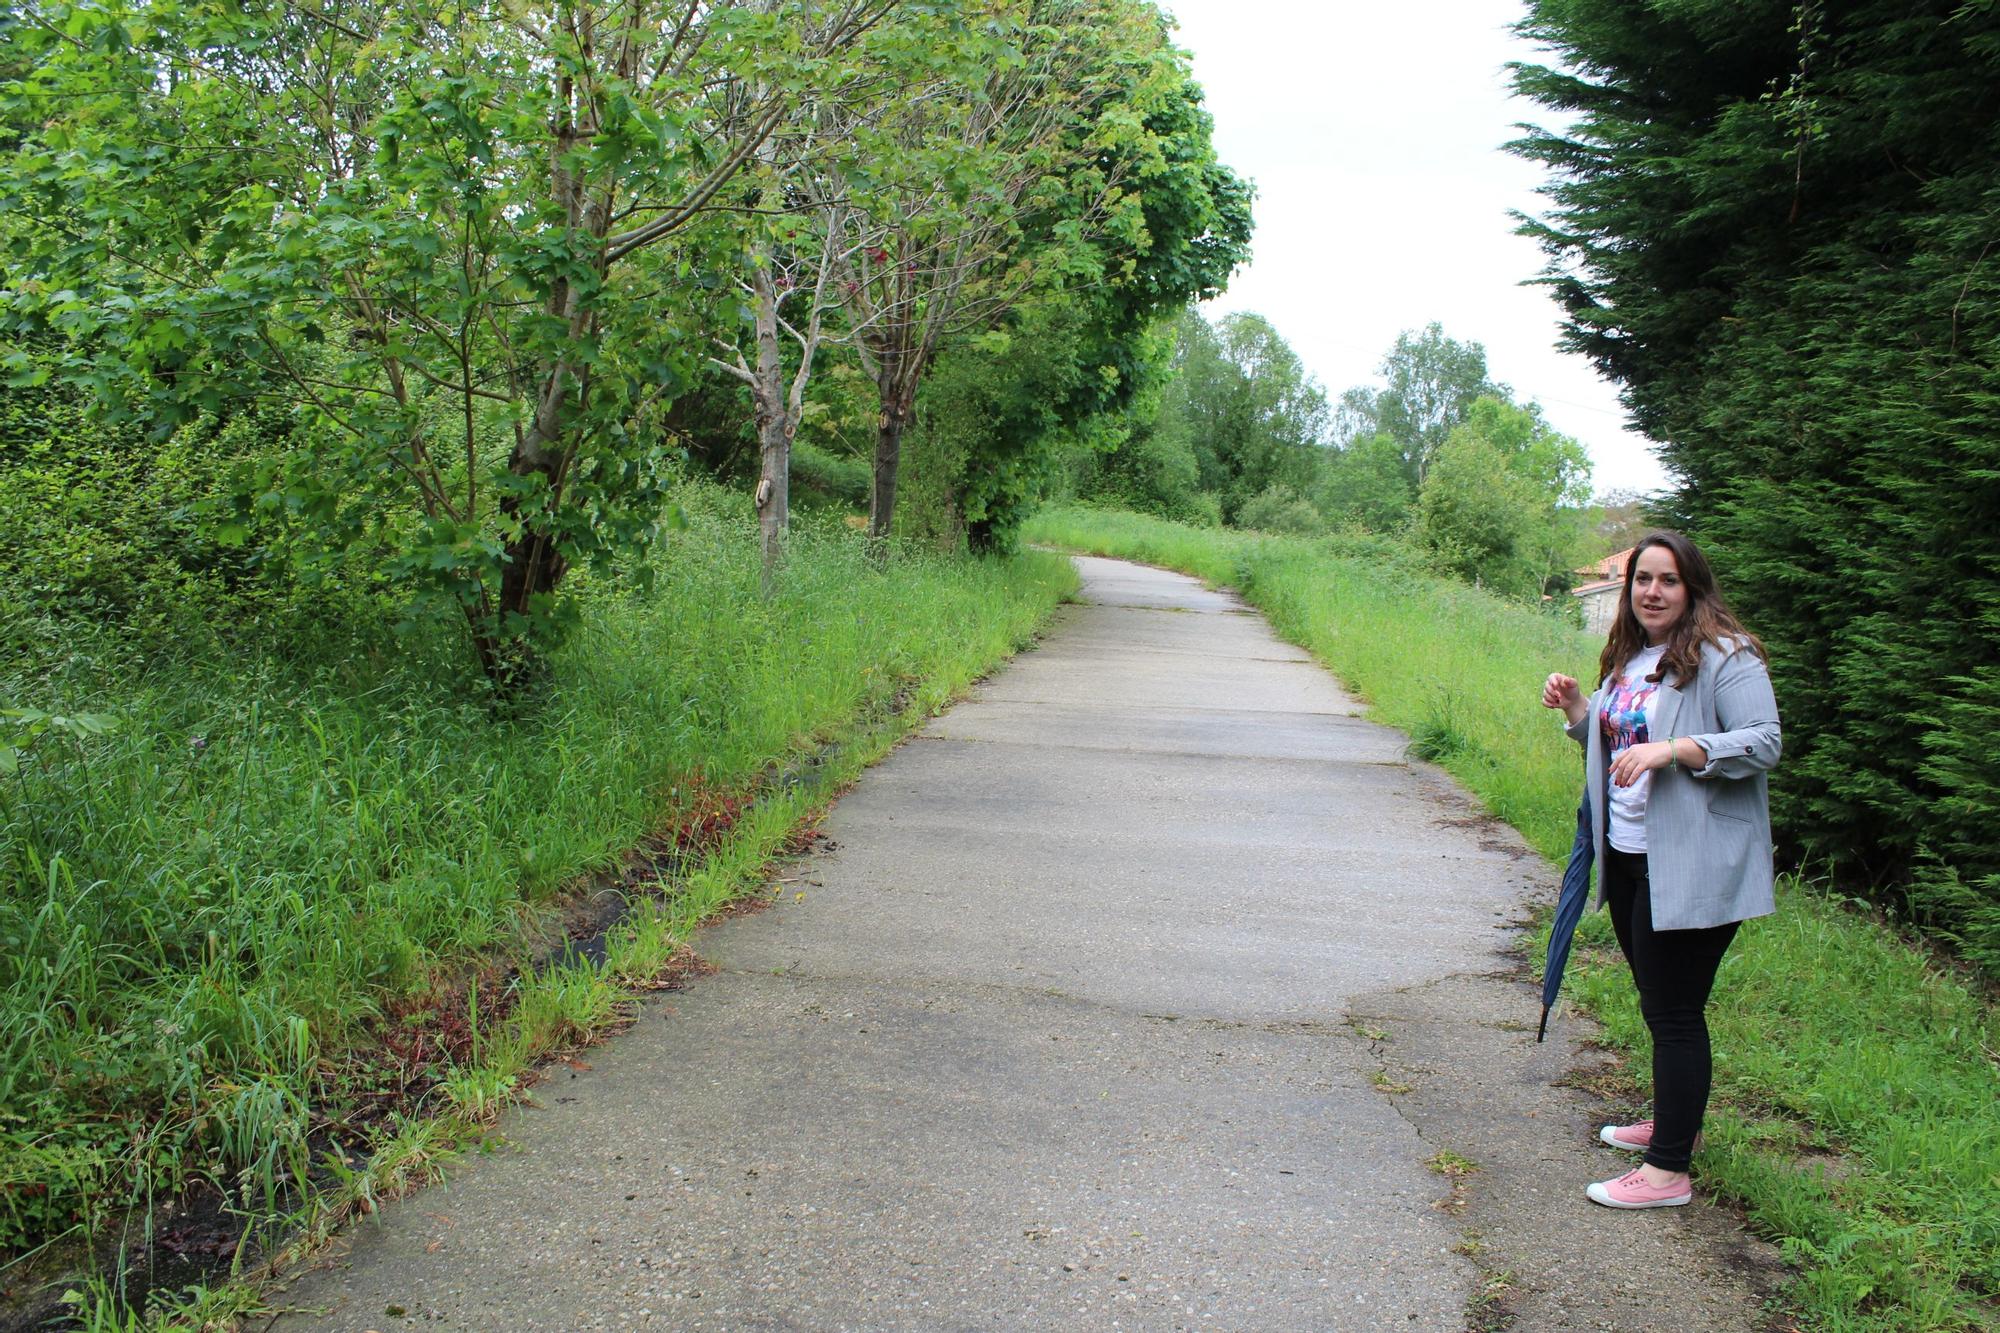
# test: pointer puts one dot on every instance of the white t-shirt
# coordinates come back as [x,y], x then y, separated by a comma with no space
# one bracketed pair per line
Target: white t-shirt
[1627,719]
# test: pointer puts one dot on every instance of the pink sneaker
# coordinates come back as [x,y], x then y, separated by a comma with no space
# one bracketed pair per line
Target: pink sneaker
[1631,1190]
[1637,1137]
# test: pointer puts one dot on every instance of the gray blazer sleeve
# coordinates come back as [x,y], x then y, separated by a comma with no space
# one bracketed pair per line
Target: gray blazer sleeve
[1747,711]
[1579,730]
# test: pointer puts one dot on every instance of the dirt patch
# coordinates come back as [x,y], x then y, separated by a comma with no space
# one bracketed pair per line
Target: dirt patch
[1493,835]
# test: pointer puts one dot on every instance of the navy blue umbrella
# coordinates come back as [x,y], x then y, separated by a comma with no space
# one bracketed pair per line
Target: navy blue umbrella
[1569,910]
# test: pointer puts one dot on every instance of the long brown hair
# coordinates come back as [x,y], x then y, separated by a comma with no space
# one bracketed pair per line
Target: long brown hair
[1706,619]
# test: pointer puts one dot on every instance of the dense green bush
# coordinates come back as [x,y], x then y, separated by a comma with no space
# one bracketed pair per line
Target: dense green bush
[99,522]
[1774,224]
[1144,462]
[1278,508]
[993,414]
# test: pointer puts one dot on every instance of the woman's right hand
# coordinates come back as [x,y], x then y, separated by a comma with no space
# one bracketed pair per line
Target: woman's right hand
[1561,691]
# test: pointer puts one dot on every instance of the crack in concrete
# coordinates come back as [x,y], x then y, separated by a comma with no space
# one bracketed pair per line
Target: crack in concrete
[974,990]
[1188,708]
[1517,1109]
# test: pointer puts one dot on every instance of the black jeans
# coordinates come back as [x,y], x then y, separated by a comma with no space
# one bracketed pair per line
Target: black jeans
[1674,970]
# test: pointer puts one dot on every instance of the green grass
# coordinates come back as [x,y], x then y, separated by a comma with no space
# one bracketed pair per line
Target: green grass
[215,918]
[1857,1108]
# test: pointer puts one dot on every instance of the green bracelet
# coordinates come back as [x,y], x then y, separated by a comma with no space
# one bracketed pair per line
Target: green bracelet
[1673,759]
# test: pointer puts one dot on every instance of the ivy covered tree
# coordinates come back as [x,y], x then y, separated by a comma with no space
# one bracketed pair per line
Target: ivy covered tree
[1772,223]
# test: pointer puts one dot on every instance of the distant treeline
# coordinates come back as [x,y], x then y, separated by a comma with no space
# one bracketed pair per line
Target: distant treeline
[1776,226]
[1438,453]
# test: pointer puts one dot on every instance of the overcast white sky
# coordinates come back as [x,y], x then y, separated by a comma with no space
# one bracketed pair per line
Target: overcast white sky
[1373,133]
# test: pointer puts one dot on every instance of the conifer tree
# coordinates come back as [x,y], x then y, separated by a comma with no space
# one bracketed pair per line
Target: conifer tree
[1773,224]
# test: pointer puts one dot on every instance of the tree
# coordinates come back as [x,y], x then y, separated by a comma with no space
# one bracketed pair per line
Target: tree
[1365,485]
[994,397]
[1081,195]
[1280,437]
[445,231]
[1146,459]
[1475,511]
[1622,519]
[1505,503]
[1775,232]
[789,260]
[1256,418]
[935,208]
[1431,382]
[1175,224]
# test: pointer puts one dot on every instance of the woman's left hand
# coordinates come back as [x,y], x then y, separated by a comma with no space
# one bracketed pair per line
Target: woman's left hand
[1637,759]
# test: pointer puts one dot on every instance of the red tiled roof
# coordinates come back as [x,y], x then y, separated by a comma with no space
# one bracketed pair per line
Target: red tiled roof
[1611,567]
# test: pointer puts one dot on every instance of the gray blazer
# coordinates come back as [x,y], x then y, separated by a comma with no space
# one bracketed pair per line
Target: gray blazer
[1708,832]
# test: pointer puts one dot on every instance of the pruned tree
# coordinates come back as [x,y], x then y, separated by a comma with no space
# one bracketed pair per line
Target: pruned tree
[779,276]
[931,247]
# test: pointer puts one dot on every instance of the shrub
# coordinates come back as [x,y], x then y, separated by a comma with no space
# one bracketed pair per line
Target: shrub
[1279,509]
[823,478]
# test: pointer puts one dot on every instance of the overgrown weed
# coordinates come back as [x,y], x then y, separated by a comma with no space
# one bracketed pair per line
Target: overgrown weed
[209,910]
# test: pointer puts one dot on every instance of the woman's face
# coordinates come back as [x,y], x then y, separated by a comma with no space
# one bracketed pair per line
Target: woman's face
[1659,598]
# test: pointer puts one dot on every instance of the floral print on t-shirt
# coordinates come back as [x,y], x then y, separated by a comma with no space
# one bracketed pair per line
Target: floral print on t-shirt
[1627,701]
[1624,715]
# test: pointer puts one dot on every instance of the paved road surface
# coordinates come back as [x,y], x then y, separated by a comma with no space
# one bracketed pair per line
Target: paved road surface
[1060,1036]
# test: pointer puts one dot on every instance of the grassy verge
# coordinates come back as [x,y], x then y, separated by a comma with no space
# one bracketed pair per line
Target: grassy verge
[1855,1111]
[287,894]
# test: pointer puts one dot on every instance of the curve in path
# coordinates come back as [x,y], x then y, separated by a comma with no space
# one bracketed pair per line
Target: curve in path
[1056,1036]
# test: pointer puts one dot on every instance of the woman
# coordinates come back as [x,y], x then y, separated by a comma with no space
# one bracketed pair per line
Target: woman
[1678,736]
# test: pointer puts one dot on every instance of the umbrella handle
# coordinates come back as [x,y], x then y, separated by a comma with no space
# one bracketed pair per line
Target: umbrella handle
[1543,1031]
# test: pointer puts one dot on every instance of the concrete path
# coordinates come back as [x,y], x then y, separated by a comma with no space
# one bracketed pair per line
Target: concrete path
[1062,1034]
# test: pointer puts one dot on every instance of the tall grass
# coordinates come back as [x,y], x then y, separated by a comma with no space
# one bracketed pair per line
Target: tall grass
[204,912]
[1857,1110]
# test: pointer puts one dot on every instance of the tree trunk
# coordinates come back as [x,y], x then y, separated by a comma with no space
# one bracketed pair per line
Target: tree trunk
[898,402]
[532,564]
[774,429]
[534,567]
[774,495]
[888,458]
